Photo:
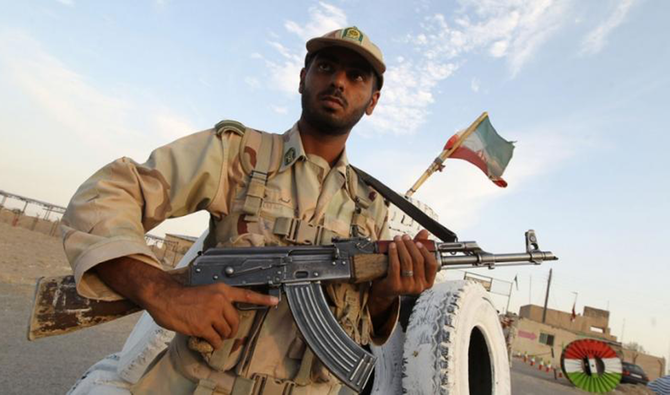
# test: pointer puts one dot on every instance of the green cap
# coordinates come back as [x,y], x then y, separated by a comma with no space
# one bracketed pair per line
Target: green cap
[354,39]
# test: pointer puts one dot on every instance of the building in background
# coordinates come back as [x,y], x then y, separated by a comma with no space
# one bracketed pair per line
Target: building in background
[546,340]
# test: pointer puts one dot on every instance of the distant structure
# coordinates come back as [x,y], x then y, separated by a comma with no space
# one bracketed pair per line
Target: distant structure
[545,341]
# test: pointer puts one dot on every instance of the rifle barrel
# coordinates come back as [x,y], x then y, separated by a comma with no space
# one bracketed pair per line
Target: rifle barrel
[490,260]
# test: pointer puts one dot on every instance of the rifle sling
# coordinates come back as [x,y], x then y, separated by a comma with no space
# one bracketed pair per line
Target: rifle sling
[434,227]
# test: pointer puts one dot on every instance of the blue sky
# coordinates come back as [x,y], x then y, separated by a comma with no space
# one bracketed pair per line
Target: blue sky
[581,86]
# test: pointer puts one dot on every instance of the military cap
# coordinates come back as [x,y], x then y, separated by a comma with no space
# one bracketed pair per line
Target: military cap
[354,39]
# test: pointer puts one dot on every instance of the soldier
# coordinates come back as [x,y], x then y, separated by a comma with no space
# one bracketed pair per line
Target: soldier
[260,189]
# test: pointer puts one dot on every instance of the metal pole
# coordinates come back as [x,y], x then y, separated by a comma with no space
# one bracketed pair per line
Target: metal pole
[509,297]
[546,298]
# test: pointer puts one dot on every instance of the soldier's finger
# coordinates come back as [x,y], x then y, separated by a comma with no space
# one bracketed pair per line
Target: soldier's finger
[232,318]
[417,261]
[212,337]
[406,268]
[223,329]
[251,297]
[393,272]
[422,235]
[430,264]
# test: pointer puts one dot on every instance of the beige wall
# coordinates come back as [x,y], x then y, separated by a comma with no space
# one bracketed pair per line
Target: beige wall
[592,318]
[36,224]
[527,340]
[653,366]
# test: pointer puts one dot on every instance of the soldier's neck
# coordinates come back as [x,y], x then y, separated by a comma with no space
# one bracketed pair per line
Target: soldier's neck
[317,143]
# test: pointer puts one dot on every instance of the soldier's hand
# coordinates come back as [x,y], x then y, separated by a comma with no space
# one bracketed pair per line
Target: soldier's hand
[205,311]
[412,269]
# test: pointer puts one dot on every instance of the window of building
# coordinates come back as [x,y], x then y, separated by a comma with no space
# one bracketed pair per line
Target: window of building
[547,339]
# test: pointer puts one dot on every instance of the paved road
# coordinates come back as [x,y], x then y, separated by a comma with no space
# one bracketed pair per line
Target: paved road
[527,380]
[51,365]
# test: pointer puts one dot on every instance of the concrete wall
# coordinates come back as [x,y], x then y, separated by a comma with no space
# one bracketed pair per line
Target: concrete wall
[527,338]
[592,318]
[653,366]
[36,224]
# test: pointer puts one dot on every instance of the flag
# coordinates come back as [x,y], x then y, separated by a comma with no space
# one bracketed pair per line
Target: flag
[485,149]
[573,316]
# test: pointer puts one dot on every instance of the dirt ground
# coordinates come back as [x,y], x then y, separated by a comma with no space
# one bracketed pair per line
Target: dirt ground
[26,256]
[50,365]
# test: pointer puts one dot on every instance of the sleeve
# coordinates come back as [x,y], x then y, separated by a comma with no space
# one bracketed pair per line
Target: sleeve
[110,213]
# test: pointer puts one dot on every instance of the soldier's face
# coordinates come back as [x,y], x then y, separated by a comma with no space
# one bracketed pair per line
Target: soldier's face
[337,90]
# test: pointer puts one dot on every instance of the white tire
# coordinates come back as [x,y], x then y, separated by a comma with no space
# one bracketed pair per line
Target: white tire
[101,379]
[388,369]
[454,343]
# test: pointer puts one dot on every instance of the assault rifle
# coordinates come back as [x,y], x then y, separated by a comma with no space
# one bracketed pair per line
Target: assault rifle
[296,272]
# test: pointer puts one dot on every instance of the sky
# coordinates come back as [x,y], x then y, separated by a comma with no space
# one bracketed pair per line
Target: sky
[580,86]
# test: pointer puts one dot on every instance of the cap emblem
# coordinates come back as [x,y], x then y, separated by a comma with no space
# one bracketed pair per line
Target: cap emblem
[353,34]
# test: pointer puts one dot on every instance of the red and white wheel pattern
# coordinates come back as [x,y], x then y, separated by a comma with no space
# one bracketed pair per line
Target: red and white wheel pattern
[591,365]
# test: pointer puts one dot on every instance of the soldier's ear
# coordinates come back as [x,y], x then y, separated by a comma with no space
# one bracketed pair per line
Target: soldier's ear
[373,102]
[301,85]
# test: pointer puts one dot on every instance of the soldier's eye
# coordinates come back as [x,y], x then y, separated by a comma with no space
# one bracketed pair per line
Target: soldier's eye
[325,66]
[357,75]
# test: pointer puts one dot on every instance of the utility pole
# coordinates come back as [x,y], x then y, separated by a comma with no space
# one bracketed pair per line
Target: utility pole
[509,296]
[546,298]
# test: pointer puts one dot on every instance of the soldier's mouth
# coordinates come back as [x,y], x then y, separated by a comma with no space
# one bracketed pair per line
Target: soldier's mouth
[334,100]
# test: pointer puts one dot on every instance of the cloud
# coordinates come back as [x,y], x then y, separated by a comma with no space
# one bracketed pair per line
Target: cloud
[253,83]
[279,109]
[285,63]
[171,127]
[407,94]
[76,107]
[475,84]
[322,19]
[513,30]
[596,39]
[60,92]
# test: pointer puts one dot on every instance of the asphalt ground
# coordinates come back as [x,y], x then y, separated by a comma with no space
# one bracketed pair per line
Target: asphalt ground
[49,365]
[527,380]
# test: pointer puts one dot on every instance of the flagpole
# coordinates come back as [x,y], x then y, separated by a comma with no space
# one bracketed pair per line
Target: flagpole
[437,163]
[509,297]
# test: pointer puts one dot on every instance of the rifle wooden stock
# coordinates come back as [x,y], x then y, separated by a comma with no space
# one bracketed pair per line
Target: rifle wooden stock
[58,308]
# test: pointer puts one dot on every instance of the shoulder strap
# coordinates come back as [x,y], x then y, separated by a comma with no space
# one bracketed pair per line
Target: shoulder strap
[408,208]
[261,168]
[229,125]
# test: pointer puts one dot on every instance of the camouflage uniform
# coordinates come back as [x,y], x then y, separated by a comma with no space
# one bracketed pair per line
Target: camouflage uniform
[301,201]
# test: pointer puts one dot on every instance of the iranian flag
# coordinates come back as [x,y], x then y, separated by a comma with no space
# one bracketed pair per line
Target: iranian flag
[481,145]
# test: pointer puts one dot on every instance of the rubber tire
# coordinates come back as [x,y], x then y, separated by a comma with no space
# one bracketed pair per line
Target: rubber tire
[388,369]
[454,343]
